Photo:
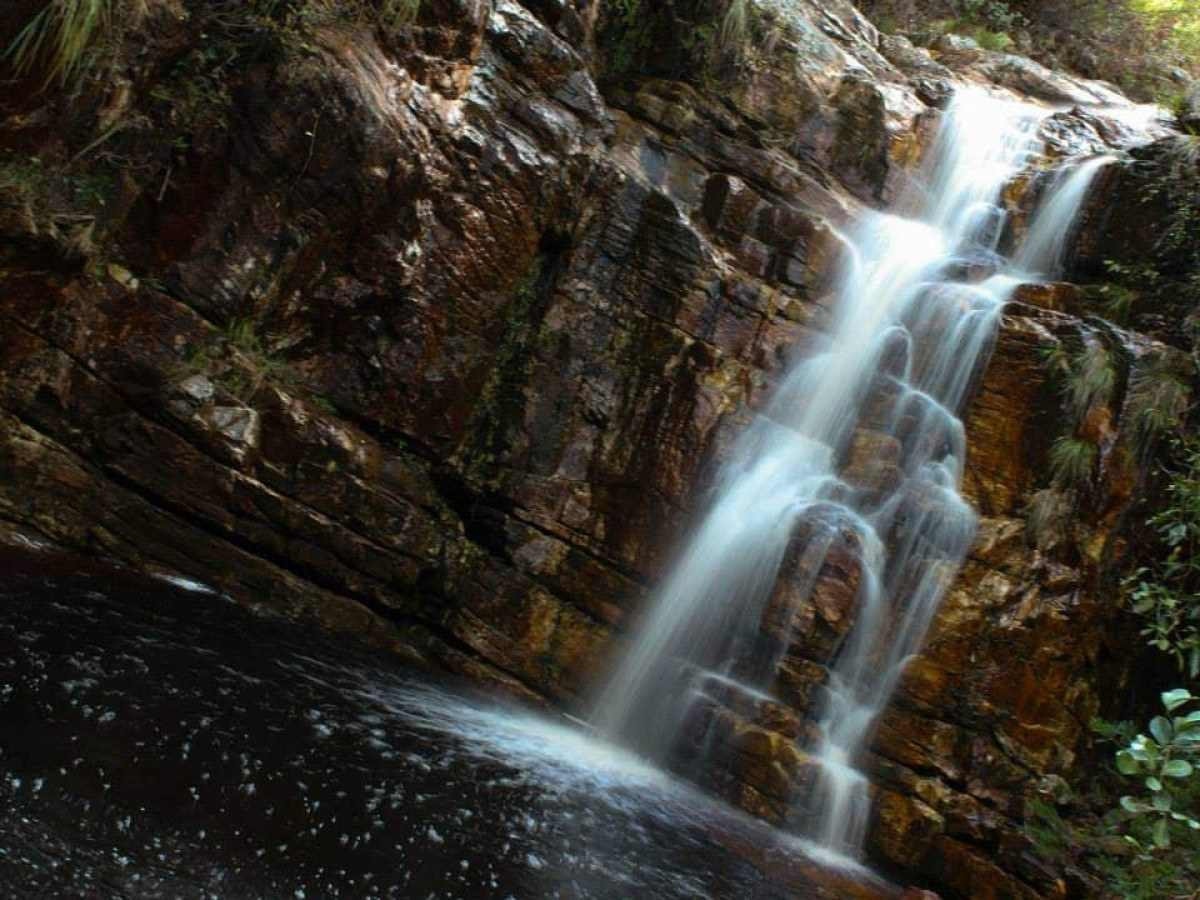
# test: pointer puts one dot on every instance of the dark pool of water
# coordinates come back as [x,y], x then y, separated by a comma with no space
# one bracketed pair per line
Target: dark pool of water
[159,741]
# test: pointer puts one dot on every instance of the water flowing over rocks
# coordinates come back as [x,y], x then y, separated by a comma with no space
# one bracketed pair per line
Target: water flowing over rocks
[442,341]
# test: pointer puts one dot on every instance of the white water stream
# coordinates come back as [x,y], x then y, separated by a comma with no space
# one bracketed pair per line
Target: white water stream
[1044,249]
[915,322]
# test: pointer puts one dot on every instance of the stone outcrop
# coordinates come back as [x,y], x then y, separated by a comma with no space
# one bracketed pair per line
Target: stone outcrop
[439,336]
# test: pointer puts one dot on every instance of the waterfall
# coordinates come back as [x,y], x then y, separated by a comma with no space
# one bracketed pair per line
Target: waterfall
[919,299]
[1045,247]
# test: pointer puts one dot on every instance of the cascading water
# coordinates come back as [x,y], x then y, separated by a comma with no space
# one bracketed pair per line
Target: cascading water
[918,304]
[1045,247]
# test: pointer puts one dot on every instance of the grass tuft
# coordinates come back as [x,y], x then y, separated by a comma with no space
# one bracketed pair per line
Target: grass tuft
[59,37]
[1092,378]
[1159,397]
[397,13]
[1072,462]
[735,25]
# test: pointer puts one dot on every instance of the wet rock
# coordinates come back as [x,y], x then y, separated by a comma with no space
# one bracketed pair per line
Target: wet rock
[873,462]
[1060,297]
[970,873]
[238,424]
[1035,80]
[1071,134]
[198,389]
[957,50]
[911,59]
[906,829]
[442,345]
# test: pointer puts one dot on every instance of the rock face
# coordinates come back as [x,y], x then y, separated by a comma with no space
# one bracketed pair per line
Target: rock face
[438,338]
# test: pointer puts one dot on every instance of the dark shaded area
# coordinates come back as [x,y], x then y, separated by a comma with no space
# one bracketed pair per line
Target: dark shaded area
[161,741]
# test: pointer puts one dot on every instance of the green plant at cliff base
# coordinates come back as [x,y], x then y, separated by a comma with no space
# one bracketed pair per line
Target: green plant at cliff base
[1162,760]
[60,36]
[1159,822]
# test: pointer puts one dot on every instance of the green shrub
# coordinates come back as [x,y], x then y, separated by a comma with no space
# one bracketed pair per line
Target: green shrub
[1158,819]
[999,41]
[1165,593]
[1163,761]
[993,14]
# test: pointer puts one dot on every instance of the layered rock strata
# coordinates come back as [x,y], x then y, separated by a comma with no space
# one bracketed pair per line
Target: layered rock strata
[439,337]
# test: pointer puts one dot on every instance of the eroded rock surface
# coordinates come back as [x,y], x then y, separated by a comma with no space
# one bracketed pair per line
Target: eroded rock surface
[439,342]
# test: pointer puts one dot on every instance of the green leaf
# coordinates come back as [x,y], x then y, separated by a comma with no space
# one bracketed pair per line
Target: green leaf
[1177,768]
[1161,729]
[1126,764]
[1161,802]
[1153,783]
[1161,835]
[1172,700]
[1129,804]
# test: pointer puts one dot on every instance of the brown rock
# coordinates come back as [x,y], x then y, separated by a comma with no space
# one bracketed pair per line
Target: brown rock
[433,342]
[1056,297]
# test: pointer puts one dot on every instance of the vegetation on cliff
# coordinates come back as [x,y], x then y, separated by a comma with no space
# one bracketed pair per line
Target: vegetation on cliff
[1159,812]
[1136,825]
[149,134]
[1142,45]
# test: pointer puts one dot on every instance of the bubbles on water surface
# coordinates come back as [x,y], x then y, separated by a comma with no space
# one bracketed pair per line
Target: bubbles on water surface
[212,777]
